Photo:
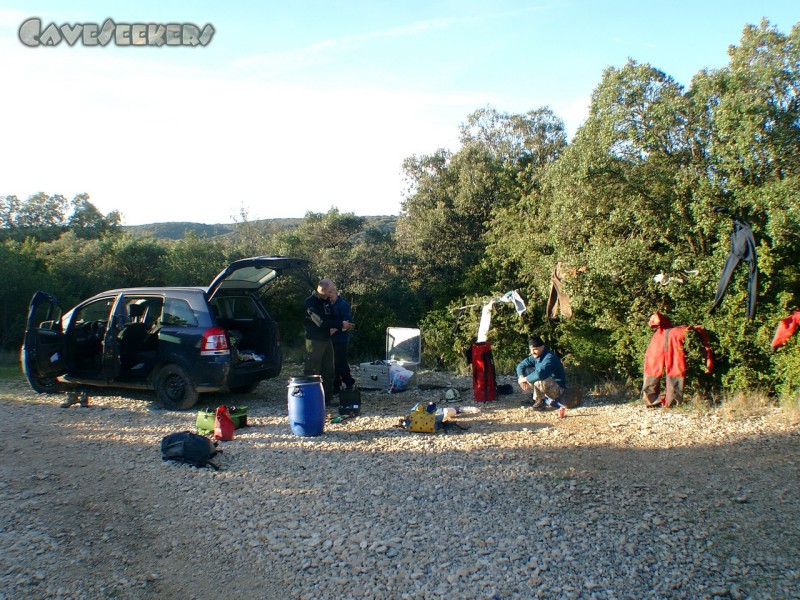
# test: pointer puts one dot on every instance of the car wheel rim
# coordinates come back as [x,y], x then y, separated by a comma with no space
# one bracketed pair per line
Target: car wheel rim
[175,387]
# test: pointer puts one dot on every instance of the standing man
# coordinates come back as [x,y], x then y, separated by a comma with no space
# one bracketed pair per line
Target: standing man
[319,321]
[341,343]
[543,373]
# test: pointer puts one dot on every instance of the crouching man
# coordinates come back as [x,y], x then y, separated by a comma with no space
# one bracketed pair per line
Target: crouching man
[543,374]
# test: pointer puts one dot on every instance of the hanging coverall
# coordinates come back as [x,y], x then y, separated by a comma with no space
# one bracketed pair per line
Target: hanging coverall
[785,330]
[666,353]
[743,248]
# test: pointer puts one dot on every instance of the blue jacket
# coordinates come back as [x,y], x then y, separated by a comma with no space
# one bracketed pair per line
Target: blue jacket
[341,312]
[539,369]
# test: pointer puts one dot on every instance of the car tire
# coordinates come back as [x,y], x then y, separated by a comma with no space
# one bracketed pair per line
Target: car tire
[174,388]
[46,385]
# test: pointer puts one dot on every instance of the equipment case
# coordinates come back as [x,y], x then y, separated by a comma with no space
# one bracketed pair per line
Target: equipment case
[374,375]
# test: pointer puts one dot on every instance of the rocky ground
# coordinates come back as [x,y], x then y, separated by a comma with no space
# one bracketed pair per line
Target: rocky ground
[612,501]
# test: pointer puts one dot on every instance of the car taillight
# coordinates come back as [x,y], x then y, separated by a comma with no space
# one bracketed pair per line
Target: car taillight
[215,342]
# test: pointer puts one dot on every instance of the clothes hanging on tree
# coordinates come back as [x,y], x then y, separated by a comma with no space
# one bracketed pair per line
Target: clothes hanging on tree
[743,248]
[514,297]
[665,353]
[558,300]
[785,330]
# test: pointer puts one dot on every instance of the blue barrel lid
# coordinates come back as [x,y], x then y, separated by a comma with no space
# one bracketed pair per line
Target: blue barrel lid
[305,379]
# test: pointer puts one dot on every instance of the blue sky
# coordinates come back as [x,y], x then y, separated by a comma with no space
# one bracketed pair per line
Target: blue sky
[302,106]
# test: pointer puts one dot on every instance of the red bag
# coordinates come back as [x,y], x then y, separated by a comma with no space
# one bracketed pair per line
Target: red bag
[484,386]
[223,424]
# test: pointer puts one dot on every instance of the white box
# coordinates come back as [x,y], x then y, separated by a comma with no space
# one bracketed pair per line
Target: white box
[403,344]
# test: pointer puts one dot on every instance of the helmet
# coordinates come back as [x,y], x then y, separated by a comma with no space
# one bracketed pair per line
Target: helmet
[452,395]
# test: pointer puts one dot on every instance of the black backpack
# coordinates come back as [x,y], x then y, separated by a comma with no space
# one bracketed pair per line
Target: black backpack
[190,448]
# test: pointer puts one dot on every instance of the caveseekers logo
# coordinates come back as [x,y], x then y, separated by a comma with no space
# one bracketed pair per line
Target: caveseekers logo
[122,34]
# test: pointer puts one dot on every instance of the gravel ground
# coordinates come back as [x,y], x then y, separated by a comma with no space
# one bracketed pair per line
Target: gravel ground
[612,501]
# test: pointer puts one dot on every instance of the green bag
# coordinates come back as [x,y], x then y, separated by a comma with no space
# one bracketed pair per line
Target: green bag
[205,418]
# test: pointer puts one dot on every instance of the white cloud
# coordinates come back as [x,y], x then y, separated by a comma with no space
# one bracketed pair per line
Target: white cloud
[324,51]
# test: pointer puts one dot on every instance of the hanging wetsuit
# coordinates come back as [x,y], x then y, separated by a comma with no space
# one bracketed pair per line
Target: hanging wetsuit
[786,327]
[743,248]
[666,353]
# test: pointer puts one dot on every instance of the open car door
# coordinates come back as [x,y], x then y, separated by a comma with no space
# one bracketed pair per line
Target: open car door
[42,354]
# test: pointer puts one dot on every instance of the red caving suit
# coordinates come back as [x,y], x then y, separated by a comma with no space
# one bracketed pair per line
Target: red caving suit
[665,353]
[786,327]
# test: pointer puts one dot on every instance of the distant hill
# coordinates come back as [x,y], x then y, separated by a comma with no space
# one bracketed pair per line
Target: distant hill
[178,230]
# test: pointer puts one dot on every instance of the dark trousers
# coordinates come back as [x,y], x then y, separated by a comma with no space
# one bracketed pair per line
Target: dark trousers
[319,361]
[341,367]
[651,390]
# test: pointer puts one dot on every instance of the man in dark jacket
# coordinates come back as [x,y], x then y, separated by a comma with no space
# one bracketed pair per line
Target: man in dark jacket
[319,322]
[341,344]
[543,373]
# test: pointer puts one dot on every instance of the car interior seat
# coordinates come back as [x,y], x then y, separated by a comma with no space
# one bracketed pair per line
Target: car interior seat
[132,336]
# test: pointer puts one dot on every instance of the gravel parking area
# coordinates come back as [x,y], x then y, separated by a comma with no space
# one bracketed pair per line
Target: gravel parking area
[612,501]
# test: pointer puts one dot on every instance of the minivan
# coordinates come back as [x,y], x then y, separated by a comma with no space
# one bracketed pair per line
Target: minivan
[177,341]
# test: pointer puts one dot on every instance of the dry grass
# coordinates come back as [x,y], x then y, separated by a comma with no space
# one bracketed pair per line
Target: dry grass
[697,404]
[741,405]
[791,408]
[611,389]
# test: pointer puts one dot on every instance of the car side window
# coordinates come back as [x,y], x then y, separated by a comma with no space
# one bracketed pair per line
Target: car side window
[178,312]
[96,311]
[142,309]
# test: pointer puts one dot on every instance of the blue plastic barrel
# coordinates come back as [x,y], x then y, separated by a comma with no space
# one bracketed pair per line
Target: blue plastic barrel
[306,405]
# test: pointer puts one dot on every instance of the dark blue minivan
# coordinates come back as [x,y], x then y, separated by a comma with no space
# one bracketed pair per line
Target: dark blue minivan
[178,341]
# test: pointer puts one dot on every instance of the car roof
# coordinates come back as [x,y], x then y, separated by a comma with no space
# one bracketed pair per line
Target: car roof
[246,274]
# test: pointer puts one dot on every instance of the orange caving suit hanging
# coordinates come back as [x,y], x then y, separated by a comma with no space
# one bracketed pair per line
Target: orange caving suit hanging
[665,353]
[785,330]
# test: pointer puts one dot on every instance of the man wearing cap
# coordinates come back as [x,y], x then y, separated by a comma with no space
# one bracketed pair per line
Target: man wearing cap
[543,373]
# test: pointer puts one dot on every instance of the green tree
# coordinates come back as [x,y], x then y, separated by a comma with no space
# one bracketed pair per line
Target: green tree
[131,261]
[87,222]
[194,260]
[76,267]
[9,207]
[453,198]
[748,122]
[41,216]
[22,274]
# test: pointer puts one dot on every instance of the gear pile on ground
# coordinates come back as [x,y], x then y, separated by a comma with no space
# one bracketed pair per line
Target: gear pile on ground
[611,501]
